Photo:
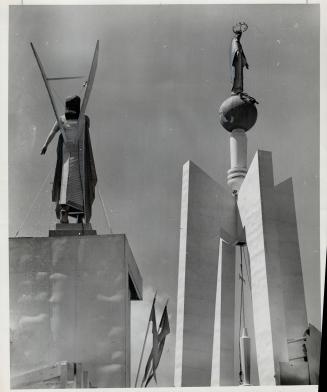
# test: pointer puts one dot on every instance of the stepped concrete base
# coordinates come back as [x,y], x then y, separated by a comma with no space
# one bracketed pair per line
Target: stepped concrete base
[72,229]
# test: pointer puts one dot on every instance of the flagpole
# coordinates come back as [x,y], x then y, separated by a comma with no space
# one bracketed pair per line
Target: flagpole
[146,335]
[165,307]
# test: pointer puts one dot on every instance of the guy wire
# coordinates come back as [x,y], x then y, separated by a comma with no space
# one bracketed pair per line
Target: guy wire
[33,202]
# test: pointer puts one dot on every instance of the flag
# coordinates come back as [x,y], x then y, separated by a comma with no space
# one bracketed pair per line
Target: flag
[164,330]
[155,346]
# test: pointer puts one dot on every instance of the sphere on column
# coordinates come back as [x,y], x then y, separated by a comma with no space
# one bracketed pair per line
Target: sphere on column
[237,115]
[237,112]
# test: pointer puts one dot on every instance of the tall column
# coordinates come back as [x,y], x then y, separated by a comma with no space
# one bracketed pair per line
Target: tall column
[238,159]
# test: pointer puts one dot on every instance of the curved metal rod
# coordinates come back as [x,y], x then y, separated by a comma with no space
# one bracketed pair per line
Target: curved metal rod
[90,80]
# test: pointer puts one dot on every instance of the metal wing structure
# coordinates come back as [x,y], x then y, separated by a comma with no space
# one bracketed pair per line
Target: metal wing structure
[89,84]
[90,79]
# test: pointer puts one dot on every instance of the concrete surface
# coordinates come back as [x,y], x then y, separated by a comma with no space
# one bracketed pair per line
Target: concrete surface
[69,301]
[268,214]
[223,370]
[206,209]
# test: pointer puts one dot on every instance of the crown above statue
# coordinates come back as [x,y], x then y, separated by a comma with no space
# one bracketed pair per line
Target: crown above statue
[240,27]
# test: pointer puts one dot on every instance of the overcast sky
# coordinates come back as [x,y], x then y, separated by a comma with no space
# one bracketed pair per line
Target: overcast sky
[162,74]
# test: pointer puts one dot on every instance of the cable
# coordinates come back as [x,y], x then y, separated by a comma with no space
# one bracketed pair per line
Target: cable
[246,261]
[105,211]
[241,312]
[82,88]
[32,205]
[242,289]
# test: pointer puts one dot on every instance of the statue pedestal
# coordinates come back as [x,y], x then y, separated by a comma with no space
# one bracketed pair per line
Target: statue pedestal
[69,229]
[70,301]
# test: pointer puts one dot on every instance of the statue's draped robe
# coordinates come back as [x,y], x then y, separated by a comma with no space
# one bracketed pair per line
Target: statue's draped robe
[75,175]
[237,62]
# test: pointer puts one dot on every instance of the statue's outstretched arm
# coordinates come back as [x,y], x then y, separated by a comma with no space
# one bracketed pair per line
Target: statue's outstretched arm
[51,135]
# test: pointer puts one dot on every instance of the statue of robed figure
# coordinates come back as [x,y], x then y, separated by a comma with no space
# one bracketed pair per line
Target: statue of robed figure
[237,59]
[75,175]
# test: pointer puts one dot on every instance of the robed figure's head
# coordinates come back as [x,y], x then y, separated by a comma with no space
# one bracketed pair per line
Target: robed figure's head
[73,105]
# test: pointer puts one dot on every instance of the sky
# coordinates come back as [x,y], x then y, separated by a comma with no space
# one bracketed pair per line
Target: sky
[162,74]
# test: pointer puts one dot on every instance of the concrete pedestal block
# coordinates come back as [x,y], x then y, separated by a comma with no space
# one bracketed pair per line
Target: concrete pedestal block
[70,301]
[72,229]
[206,209]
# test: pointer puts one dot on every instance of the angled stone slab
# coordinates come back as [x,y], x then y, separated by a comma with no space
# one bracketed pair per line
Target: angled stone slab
[206,209]
[291,269]
[268,215]
[256,207]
